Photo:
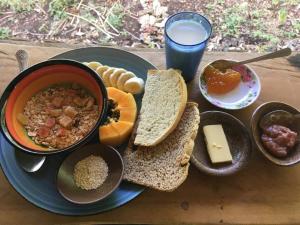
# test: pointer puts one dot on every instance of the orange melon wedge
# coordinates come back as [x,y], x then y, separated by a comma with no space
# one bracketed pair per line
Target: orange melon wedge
[117,132]
[108,135]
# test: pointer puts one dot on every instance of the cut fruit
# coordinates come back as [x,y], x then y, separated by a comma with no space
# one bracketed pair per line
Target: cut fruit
[94,65]
[118,77]
[108,135]
[106,76]
[127,102]
[101,69]
[115,76]
[123,78]
[134,85]
[127,115]
[123,128]
[121,117]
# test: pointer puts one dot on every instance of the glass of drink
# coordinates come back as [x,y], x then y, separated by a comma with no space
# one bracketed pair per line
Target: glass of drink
[186,35]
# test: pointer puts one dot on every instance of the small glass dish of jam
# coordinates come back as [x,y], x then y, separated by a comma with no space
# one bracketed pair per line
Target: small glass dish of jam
[235,88]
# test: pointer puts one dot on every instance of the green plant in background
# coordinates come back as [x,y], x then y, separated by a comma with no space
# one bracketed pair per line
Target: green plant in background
[87,14]
[256,22]
[296,26]
[282,16]
[234,19]
[275,2]
[19,5]
[57,8]
[221,2]
[260,29]
[292,2]
[4,32]
[262,35]
[115,17]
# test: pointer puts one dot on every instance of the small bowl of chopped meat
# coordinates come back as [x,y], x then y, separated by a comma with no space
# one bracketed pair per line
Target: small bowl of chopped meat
[275,128]
[53,106]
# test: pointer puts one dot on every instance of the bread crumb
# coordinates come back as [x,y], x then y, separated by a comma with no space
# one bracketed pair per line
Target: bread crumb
[90,172]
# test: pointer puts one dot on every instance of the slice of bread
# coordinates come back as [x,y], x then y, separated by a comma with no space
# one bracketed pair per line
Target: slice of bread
[165,166]
[163,103]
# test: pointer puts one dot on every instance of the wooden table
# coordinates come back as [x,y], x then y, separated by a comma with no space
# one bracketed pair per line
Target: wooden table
[260,194]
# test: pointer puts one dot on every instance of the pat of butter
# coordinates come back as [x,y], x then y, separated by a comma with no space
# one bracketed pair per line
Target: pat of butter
[217,144]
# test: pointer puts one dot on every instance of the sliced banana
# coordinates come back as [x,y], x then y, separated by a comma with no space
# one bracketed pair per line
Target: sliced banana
[134,85]
[101,69]
[115,76]
[94,65]
[123,78]
[106,76]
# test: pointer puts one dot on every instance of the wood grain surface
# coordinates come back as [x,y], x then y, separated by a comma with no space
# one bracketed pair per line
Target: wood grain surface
[260,194]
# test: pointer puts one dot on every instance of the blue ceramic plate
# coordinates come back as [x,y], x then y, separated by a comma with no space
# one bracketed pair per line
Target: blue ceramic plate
[40,188]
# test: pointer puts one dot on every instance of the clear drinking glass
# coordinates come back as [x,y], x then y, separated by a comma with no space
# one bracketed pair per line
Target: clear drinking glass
[185,43]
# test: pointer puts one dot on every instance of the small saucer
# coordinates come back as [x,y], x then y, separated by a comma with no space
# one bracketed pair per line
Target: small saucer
[241,96]
[66,184]
[238,139]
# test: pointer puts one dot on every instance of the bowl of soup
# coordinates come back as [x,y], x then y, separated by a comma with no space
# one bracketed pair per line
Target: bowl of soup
[53,106]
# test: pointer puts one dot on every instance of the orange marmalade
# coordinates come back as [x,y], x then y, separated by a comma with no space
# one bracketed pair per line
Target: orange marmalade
[221,83]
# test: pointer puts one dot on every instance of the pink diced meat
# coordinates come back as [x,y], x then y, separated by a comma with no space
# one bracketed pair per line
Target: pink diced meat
[50,122]
[43,132]
[61,132]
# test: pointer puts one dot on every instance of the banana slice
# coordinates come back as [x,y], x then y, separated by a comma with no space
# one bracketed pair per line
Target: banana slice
[134,85]
[115,76]
[94,65]
[123,78]
[101,69]
[106,76]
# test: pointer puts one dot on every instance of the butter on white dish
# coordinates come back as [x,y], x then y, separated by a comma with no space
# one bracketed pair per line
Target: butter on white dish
[217,145]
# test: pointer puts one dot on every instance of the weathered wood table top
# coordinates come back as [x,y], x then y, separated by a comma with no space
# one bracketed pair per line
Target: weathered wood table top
[260,194]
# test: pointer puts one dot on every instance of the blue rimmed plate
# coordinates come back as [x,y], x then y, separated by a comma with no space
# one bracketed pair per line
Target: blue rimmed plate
[40,188]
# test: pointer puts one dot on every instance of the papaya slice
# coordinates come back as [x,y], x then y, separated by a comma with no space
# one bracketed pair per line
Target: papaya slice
[124,129]
[121,117]
[127,102]
[108,135]
[127,115]
[115,94]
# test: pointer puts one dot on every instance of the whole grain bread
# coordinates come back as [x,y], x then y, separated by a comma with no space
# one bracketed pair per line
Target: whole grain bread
[165,166]
[163,103]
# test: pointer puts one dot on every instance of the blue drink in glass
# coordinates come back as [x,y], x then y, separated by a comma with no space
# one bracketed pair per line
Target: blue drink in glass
[186,35]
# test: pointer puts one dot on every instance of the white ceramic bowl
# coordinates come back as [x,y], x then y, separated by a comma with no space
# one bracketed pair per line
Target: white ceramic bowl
[241,96]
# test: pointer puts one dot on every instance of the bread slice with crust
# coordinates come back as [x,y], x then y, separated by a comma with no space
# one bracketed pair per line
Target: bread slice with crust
[163,103]
[165,166]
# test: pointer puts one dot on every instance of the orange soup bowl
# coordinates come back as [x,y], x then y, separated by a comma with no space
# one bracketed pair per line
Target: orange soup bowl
[37,78]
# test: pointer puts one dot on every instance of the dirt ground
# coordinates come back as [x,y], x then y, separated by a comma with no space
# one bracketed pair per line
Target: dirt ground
[253,25]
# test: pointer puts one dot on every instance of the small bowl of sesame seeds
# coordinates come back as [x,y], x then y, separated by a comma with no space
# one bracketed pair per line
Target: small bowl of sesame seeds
[90,174]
